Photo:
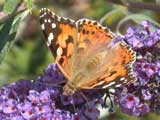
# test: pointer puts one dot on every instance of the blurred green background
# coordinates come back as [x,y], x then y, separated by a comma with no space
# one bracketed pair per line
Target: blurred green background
[23,54]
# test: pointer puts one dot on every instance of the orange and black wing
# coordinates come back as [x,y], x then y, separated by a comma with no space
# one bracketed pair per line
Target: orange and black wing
[108,66]
[60,34]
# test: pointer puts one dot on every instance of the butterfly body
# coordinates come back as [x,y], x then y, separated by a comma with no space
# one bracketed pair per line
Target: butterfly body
[83,53]
[84,71]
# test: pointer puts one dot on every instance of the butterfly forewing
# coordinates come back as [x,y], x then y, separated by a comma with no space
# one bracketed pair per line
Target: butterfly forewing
[60,34]
[91,34]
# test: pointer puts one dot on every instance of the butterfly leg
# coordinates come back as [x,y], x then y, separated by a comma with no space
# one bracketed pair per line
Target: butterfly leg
[85,98]
[74,107]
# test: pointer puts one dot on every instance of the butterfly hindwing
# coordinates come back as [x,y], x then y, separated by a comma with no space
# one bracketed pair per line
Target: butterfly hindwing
[118,70]
[101,64]
[60,34]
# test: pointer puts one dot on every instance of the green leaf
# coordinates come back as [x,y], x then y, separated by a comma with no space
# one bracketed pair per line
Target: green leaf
[8,33]
[113,16]
[4,33]
[10,6]
[6,37]
[137,18]
[29,4]
[7,46]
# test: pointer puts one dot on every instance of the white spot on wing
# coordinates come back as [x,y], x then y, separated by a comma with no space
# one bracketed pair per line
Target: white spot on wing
[65,18]
[121,79]
[110,84]
[112,90]
[45,20]
[42,26]
[58,18]
[101,82]
[50,38]
[125,81]
[49,20]
[53,25]
[118,85]
[45,13]
[59,51]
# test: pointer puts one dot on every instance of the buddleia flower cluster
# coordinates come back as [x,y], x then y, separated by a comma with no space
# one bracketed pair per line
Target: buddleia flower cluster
[43,100]
[143,96]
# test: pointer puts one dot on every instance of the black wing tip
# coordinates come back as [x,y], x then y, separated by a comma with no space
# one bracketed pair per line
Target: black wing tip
[45,11]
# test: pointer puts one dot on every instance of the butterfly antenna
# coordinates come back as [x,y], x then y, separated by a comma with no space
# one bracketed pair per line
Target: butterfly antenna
[49,84]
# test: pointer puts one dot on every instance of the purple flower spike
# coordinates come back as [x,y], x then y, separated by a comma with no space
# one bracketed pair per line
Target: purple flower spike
[43,100]
[142,96]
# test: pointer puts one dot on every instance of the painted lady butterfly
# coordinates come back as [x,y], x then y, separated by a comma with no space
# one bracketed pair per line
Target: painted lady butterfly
[82,53]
